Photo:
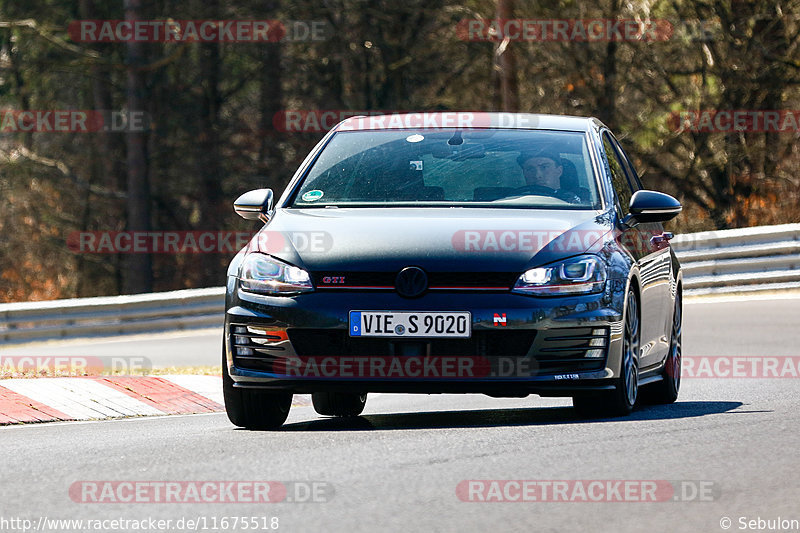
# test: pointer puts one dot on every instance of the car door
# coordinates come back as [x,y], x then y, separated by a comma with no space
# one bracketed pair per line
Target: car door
[660,269]
[651,256]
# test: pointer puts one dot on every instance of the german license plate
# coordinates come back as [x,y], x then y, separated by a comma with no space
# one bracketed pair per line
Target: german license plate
[408,324]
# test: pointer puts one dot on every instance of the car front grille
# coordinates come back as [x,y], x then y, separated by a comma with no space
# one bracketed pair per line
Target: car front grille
[554,351]
[327,342]
[541,352]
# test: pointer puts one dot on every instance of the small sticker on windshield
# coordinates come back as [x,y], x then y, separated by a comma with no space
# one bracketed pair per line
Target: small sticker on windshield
[312,196]
[415,165]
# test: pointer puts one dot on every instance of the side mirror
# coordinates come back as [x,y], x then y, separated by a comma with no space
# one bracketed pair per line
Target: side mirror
[254,205]
[652,206]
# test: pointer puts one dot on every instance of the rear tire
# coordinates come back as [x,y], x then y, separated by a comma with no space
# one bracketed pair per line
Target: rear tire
[253,409]
[621,400]
[339,403]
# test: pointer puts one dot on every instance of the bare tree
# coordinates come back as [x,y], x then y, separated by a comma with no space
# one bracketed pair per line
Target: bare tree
[138,267]
[507,61]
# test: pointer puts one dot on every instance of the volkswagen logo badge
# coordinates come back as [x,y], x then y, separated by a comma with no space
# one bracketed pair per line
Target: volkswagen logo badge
[411,282]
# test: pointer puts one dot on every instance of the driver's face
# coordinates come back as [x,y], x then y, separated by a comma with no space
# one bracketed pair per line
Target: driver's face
[542,171]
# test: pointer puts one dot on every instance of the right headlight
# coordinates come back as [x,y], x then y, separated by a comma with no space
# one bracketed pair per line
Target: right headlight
[579,275]
[263,274]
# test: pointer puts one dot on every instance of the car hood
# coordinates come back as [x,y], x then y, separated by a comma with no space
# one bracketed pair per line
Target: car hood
[435,239]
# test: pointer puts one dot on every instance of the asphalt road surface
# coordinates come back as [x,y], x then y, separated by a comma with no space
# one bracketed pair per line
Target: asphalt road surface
[728,445]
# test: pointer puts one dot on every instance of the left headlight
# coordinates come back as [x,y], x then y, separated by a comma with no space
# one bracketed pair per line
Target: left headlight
[263,274]
[578,275]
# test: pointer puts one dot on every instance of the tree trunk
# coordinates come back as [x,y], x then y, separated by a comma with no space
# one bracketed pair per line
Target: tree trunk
[139,266]
[507,62]
[607,108]
[270,103]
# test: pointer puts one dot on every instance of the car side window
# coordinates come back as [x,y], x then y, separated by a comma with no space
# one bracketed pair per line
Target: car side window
[619,180]
[633,176]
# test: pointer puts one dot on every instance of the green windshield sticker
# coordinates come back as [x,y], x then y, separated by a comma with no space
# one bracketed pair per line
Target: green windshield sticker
[312,196]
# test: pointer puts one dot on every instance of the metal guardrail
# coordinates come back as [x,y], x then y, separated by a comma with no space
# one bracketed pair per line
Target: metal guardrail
[82,317]
[741,260]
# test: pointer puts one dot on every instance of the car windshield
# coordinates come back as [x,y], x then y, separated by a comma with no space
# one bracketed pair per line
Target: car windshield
[450,167]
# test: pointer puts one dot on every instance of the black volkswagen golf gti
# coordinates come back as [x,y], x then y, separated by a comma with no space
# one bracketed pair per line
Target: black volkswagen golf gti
[502,254]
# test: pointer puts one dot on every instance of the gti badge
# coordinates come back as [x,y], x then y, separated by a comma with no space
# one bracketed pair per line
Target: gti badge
[499,319]
[333,280]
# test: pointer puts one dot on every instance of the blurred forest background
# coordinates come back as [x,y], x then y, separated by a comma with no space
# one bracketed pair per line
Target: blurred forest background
[211,134]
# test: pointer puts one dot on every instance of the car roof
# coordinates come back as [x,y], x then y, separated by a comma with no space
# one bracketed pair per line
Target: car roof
[467,120]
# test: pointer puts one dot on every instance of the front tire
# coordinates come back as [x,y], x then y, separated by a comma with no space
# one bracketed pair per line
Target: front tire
[339,403]
[621,400]
[253,409]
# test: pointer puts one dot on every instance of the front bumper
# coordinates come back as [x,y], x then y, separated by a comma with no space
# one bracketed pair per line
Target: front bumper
[556,346]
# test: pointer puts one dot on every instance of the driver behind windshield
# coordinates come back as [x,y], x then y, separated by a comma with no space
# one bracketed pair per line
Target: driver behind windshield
[542,172]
